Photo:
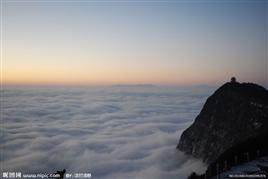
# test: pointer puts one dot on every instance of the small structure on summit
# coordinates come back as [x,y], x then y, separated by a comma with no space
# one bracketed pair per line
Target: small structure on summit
[232,118]
[233,80]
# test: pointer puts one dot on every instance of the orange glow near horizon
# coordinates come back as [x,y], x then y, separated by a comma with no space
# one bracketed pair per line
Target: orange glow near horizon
[96,72]
[63,74]
[184,44]
[73,77]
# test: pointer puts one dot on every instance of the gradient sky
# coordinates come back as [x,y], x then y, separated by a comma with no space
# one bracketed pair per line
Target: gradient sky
[115,42]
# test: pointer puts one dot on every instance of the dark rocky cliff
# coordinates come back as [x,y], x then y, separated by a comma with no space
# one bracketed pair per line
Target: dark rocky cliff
[233,114]
[241,156]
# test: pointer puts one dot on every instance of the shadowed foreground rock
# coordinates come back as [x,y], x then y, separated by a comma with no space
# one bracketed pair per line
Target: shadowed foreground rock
[235,113]
[60,174]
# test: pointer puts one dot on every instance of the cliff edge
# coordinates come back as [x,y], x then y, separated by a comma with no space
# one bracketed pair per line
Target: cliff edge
[233,114]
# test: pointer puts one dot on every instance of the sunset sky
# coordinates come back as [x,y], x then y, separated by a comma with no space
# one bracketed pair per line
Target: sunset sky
[129,42]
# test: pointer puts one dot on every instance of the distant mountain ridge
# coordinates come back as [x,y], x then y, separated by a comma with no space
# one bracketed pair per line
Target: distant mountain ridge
[134,85]
[235,113]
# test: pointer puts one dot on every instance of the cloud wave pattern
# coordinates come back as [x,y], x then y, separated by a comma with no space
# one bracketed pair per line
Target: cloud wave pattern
[111,132]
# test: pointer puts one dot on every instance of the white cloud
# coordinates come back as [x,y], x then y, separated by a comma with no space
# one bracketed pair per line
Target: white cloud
[111,132]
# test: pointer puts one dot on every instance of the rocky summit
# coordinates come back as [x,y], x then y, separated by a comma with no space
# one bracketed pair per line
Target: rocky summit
[233,114]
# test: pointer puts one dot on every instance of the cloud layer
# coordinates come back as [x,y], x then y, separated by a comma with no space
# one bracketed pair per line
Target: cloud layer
[112,132]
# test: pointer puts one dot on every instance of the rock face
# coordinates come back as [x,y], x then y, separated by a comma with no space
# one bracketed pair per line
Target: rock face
[233,114]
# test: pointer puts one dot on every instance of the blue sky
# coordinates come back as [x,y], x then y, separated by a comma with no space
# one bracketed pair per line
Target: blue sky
[110,42]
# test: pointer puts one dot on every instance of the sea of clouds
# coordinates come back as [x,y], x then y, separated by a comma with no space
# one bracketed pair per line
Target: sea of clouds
[111,132]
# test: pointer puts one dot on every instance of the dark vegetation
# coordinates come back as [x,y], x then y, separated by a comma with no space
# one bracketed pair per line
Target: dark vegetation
[249,150]
[231,129]
[233,114]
